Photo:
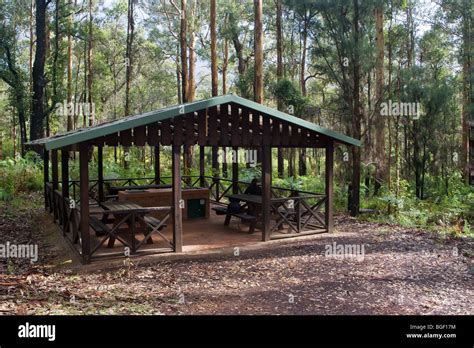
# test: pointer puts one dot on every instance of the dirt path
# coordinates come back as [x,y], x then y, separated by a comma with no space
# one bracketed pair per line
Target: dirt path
[401,272]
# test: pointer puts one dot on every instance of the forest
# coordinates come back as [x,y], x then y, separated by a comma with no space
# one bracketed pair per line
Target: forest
[396,74]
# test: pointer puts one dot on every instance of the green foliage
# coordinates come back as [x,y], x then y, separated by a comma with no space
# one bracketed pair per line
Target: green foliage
[247,174]
[290,183]
[451,213]
[20,175]
[285,91]
[244,83]
[314,184]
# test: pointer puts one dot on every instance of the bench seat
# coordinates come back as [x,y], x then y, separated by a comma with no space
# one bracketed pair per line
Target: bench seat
[153,221]
[244,216]
[98,226]
[220,210]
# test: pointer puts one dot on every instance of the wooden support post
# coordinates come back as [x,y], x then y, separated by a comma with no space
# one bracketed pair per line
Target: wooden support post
[55,181]
[235,171]
[177,211]
[45,176]
[225,172]
[55,169]
[157,165]
[100,174]
[215,169]
[281,163]
[329,186]
[202,166]
[65,185]
[266,191]
[65,173]
[215,164]
[84,202]
[187,157]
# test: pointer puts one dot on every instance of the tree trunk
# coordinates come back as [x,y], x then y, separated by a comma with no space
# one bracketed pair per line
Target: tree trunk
[89,69]
[380,152]
[224,66]
[178,75]
[129,55]
[258,30]
[291,163]
[292,65]
[189,150]
[57,39]
[397,122]
[184,57]
[279,43]
[14,139]
[20,106]
[466,112]
[303,55]
[39,82]
[302,162]
[69,66]
[356,117]
[410,59]
[416,160]
[214,79]
[16,84]
[304,37]
[32,44]
[192,56]
[129,67]
[241,61]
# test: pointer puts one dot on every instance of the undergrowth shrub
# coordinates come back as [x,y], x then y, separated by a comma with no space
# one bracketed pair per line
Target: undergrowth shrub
[20,175]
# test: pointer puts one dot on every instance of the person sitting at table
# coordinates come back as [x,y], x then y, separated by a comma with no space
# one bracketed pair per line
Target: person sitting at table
[253,189]
[234,206]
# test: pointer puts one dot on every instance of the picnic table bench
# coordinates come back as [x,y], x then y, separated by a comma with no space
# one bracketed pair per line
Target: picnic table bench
[128,219]
[241,215]
[297,215]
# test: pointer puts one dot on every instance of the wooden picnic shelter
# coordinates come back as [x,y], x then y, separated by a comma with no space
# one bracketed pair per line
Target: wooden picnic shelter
[225,121]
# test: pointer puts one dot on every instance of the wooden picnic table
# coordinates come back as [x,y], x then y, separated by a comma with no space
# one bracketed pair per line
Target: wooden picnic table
[132,215]
[120,207]
[255,199]
[253,202]
[283,212]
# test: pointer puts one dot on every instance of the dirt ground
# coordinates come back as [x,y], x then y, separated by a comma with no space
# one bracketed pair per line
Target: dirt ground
[402,271]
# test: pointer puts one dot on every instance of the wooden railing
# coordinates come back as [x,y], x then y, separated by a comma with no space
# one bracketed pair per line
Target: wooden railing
[66,213]
[298,215]
[219,187]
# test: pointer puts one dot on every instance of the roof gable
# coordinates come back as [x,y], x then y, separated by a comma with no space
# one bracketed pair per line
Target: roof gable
[126,123]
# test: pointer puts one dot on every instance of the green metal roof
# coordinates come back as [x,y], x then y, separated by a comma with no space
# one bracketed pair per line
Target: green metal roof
[296,120]
[103,129]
